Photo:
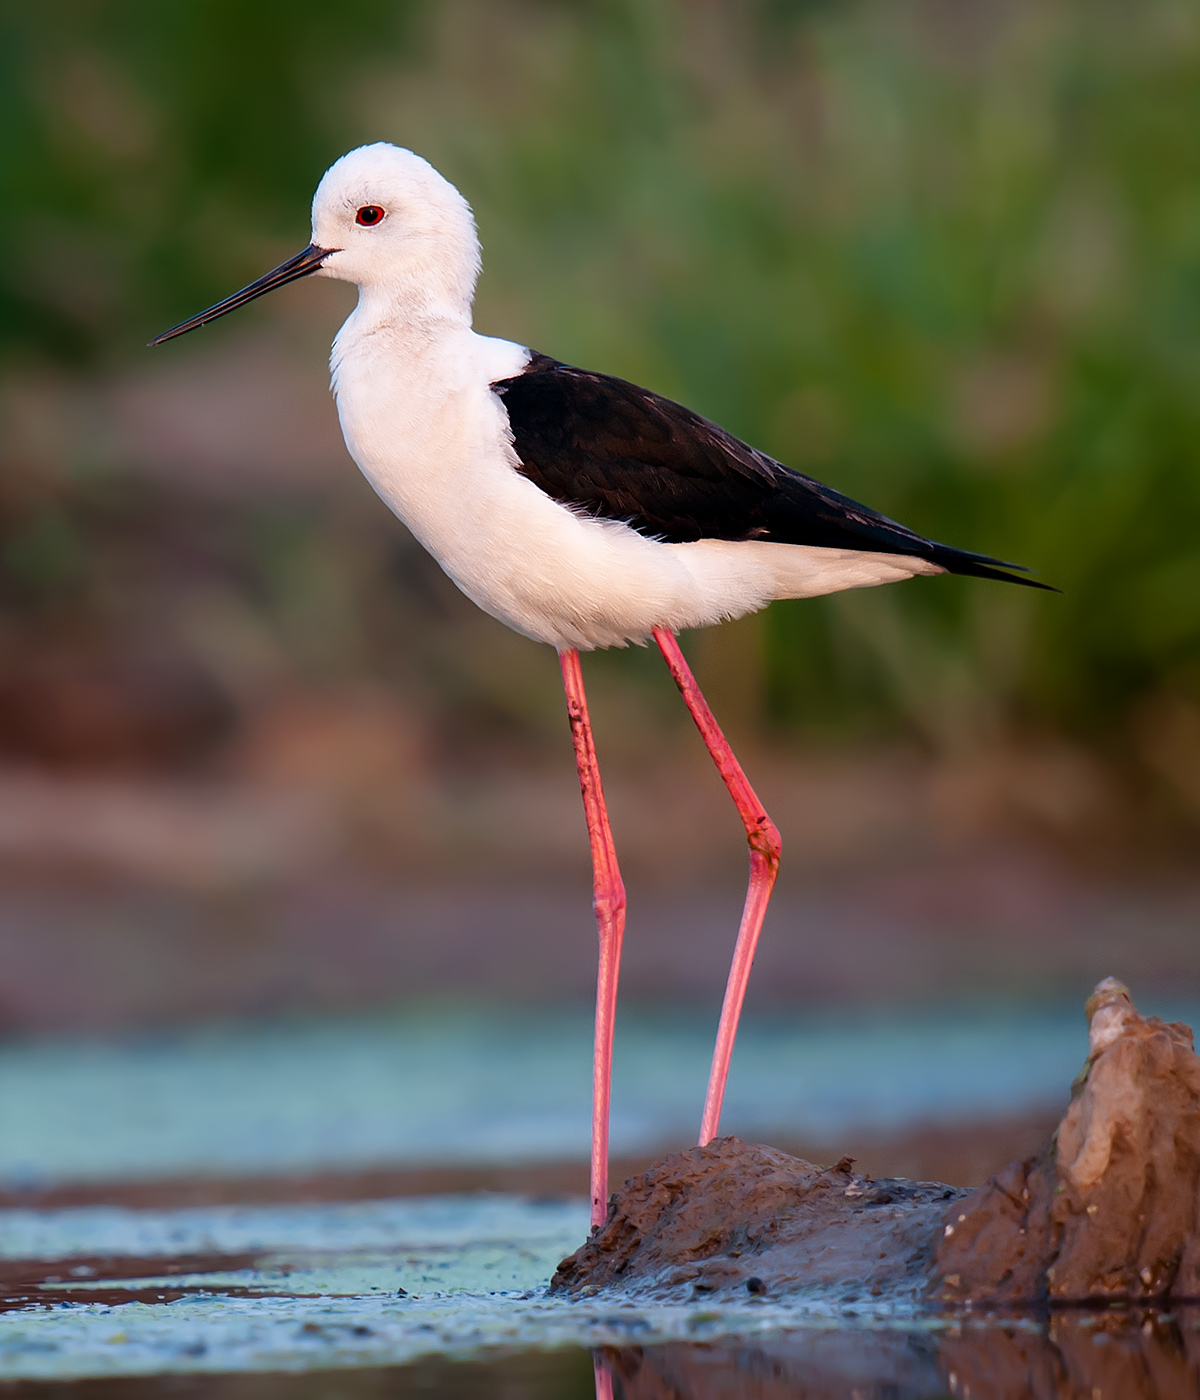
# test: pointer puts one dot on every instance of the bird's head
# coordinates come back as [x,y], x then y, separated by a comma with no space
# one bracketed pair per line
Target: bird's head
[384,219]
[392,222]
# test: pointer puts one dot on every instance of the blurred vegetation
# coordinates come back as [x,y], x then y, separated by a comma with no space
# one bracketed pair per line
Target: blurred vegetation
[946,257]
[144,147]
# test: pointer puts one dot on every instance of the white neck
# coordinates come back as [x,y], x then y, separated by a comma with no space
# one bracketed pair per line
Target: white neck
[406,303]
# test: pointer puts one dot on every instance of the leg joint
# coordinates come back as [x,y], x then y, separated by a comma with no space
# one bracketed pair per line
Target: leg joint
[610,905]
[765,839]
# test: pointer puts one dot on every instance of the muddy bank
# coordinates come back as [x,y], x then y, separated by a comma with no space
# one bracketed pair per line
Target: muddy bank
[740,1216]
[1106,1211]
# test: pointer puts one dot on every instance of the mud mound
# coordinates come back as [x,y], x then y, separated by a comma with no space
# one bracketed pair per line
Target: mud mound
[739,1216]
[1108,1209]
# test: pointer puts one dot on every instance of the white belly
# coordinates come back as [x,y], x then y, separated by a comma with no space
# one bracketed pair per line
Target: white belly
[432,438]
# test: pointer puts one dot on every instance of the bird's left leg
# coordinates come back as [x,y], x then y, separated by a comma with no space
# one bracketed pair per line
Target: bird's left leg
[608,900]
[763,837]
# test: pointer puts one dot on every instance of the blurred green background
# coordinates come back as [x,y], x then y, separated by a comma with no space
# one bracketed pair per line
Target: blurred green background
[943,256]
[261,762]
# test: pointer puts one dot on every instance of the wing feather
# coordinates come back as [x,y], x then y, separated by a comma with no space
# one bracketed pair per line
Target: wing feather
[619,452]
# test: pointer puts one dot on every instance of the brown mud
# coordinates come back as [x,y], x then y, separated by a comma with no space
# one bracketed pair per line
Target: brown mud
[740,1216]
[1106,1212]
[33,1283]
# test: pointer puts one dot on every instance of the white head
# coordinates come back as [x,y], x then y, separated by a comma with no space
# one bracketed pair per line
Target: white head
[384,219]
[396,226]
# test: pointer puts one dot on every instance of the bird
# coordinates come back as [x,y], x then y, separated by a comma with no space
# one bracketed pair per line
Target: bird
[577,508]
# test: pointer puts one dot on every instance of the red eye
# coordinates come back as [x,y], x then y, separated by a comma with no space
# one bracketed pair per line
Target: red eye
[369,214]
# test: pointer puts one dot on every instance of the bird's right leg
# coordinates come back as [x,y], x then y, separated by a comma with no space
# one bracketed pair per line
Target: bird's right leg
[763,836]
[608,900]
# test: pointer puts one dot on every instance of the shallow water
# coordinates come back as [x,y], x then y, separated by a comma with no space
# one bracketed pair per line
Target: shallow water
[477,1084]
[446,1296]
[102,1290]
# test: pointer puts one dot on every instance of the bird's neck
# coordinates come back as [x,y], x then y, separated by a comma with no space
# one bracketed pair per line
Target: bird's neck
[405,338]
[403,324]
[410,307]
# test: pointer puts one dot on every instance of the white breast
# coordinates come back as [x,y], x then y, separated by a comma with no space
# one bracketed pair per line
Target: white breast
[423,424]
[425,427]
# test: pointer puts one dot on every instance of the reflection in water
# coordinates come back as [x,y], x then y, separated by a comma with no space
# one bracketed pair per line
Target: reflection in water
[604,1377]
[1116,1354]
[1077,1356]
[558,1374]
[1111,1355]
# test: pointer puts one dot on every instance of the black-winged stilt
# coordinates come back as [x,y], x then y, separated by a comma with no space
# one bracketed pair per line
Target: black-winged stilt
[577,508]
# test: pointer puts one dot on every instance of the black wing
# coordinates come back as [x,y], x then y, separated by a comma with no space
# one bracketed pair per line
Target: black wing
[607,447]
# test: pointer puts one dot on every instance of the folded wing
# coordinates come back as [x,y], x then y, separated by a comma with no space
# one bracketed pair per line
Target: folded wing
[608,448]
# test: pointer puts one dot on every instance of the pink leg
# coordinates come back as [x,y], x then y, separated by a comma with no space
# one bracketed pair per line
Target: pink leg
[609,902]
[764,866]
[604,1385]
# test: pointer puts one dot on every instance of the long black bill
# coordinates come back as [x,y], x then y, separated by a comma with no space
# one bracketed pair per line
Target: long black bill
[300,266]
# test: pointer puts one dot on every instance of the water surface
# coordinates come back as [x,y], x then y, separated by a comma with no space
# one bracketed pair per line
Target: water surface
[476,1084]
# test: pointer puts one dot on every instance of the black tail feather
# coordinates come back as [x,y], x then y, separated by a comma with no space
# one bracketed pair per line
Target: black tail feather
[968,565]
